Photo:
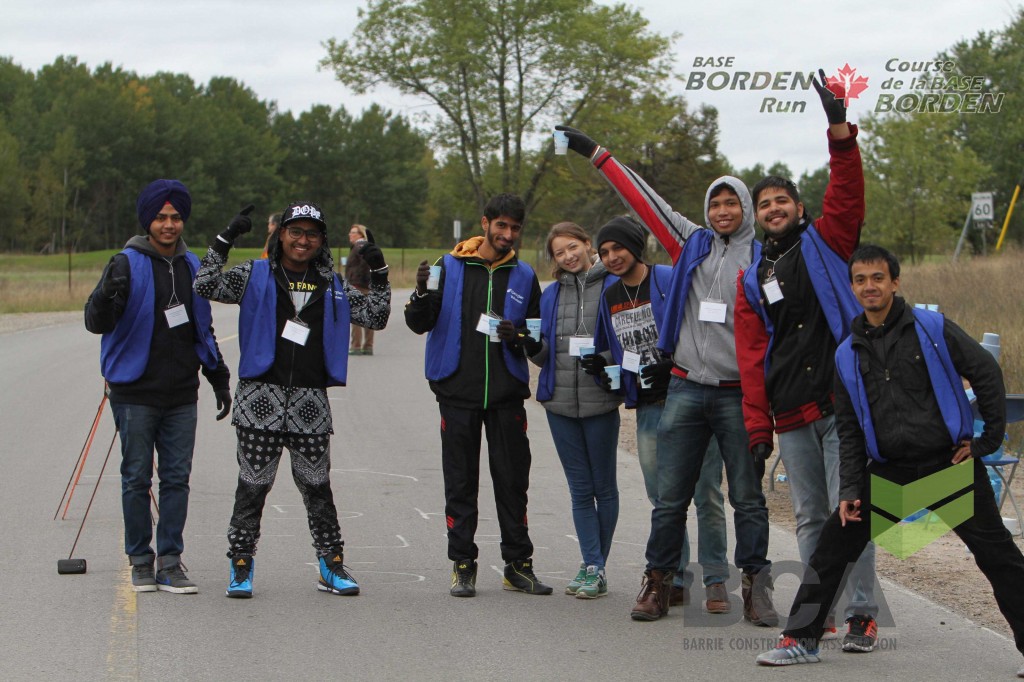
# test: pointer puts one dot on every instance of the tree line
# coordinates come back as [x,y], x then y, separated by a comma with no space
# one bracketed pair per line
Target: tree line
[77,144]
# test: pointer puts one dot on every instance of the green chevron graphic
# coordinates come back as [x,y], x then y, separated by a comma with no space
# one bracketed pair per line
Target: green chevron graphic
[903,539]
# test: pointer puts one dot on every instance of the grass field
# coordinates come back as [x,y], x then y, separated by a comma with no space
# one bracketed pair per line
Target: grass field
[44,283]
[980,294]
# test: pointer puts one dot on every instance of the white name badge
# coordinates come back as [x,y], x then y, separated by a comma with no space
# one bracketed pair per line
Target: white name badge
[576,342]
[712,311]
[630,361]
[176,315]
[772,290]
[296,332]
[488,325]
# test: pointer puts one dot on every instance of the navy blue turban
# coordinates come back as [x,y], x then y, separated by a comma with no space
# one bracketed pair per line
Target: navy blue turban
[158,193]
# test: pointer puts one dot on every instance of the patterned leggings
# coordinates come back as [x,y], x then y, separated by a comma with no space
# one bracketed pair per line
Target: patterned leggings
[259,453]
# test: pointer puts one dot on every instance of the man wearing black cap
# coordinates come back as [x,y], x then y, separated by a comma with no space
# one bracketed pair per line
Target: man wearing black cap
[628,320]
[293,330]
[156,337]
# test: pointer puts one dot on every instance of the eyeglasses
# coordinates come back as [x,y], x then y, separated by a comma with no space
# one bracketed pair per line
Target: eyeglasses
[297,232]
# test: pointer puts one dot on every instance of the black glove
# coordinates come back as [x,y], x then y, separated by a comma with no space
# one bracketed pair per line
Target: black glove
[518,336]
[658,374]
[111,286]
[372,255]
[422,275]
[578,141]
[223,401]
[594,364]
[239,225]
[833,104]
[762,451]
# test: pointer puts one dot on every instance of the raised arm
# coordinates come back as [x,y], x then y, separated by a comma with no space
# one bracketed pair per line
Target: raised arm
[670,228]
[842,211]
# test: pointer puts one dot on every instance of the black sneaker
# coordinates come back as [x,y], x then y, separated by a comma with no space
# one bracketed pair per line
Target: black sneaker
[861,635]
[464,578]
[171,578]
[519,577]
[143,576]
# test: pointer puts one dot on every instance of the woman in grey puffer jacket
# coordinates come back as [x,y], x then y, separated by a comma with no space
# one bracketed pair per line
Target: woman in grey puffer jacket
[584,418]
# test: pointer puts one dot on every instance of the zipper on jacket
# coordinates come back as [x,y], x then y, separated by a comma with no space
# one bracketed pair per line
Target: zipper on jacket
[487,340]
[705,329]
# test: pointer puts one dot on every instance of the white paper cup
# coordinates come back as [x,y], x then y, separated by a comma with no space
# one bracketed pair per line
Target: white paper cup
[586,350]
[434,280]
[533,324]
[561,143]
[614,373]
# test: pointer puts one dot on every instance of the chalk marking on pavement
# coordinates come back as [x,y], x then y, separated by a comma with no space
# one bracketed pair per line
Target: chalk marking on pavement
[228,338]
[122,646]
[379,473]
[426,515]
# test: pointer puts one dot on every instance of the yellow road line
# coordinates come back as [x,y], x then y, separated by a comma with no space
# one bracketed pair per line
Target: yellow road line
[122,648]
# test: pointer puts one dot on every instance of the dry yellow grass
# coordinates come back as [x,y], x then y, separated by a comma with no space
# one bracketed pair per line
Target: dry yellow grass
[981,295]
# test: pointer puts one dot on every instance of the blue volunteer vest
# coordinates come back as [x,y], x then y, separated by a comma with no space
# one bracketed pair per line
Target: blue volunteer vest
[124,352]
[945,380]
[443,348]
[548,313]
[830,279]
[257,326]
[605,339]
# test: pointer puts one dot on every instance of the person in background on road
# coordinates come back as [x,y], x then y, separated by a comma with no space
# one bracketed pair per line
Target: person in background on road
[293,327]
[584,419]
[357,272]
[478,372]
[793,308]
[156,337]
[273,222]
[704,402]
[903,415]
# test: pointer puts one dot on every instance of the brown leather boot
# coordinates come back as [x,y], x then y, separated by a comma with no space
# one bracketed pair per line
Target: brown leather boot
[718,599]
[655,591]
[680,596]
[757,599]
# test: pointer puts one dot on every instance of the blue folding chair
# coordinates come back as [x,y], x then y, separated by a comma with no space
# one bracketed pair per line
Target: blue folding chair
[1002,463]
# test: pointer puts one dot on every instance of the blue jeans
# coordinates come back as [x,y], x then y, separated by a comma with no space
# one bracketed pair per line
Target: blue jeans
[711,534]
[810,455]
[693,414]
[587,448]
[172,432]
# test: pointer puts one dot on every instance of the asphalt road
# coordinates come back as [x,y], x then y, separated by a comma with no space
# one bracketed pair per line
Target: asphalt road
[388,488]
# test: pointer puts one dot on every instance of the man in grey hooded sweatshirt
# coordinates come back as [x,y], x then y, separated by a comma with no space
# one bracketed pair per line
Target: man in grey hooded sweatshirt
[704,397]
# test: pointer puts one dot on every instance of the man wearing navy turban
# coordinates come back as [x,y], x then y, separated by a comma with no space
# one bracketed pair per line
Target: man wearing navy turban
[156,338]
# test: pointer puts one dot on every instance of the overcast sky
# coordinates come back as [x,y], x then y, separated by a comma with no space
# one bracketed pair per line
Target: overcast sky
[274,47]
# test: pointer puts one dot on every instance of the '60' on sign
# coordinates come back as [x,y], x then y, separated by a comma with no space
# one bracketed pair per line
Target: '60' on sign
[981,207]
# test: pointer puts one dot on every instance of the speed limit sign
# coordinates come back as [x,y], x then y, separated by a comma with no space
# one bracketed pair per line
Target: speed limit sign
[981,207]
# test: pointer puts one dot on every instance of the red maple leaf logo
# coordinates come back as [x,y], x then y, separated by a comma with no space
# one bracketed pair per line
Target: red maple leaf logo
[846,84]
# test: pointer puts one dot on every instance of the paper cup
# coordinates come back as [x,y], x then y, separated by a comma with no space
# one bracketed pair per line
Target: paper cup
[493,322]
[434,280]
[533,324]
[561,142]
[614,373]
[586,350]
